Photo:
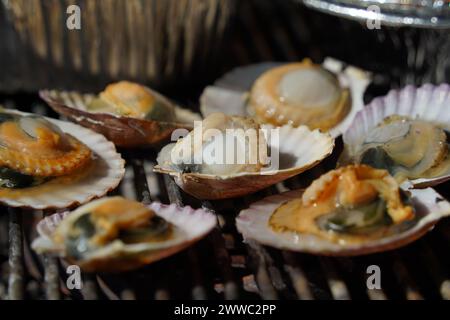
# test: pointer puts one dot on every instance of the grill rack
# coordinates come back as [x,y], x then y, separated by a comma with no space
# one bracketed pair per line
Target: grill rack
[221,266]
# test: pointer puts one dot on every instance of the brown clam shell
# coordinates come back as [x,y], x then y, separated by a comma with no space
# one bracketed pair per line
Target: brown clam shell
[306,147]
[122,131]
[209,187]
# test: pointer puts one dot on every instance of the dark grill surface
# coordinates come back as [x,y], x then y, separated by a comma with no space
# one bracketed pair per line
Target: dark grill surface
[221,266]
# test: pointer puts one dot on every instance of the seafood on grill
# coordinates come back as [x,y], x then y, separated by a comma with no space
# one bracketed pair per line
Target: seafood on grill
[132,100]
[116,234]
[127,113]
[321,97]
[46,163]
[406,133]
[352,210]
[252,156]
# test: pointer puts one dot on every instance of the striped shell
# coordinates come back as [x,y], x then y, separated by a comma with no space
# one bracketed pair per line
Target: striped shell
[63,153]
[121,130]
[299,149]
[253,224]
[105,175]
[192,224]
[428,102]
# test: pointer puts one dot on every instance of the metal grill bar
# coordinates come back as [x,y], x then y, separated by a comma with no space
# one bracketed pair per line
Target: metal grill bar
[231,291]
[262,276]
[297,276]
[411,290]
[140,181]
[337,286]
[198,290]
[89,290]
[16,272]
[51,274]
[51,278]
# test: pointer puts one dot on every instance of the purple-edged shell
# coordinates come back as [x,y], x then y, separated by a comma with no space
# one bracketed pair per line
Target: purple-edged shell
[190,225]
[253,223]
[428,102]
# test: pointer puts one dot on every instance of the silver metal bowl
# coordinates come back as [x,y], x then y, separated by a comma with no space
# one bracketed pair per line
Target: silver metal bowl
[417,13]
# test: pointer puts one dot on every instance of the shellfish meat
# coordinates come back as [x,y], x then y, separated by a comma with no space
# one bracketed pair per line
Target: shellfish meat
[43,161]
[128,114]
[230,156]
[408,149]
[132,100]
[299,94]
[405,132]
[250,144]
[115,234]
[348,211]
[303,93]
[31,145]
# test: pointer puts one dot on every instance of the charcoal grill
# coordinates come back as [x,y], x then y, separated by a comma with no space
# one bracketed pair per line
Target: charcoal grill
[221,266]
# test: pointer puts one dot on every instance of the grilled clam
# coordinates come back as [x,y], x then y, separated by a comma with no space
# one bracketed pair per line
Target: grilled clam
[230,156]
[299,94]
[254,150]
[46,163]
[32,146]
[128,114]
[348,211]
[132,100]
[408,149]
[116,234]
[404,133]
[302,93]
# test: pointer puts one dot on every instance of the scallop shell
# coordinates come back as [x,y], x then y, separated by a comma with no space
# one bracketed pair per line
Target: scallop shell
[229,93]
[428,102]
[300,149]
[193,225]
[106,175]
[253,224]
[123,131]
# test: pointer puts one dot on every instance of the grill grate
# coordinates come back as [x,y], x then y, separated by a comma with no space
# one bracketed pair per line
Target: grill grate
[221,266]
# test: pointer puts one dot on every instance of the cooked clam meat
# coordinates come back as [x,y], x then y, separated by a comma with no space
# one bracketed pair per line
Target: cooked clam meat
[107,223]
[407,148]
[115,234]
[33,150]
[132,100]
[223,144]
[351,204]
[299,93]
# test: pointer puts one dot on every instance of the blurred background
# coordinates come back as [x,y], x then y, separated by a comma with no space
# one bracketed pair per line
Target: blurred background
[179,46]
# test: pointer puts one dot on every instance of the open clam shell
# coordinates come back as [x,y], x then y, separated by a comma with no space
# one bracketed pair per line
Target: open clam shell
[191,224]
[108,169]
[428,102]
[123,131]
[299,149]
[253,224]
[229,93]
